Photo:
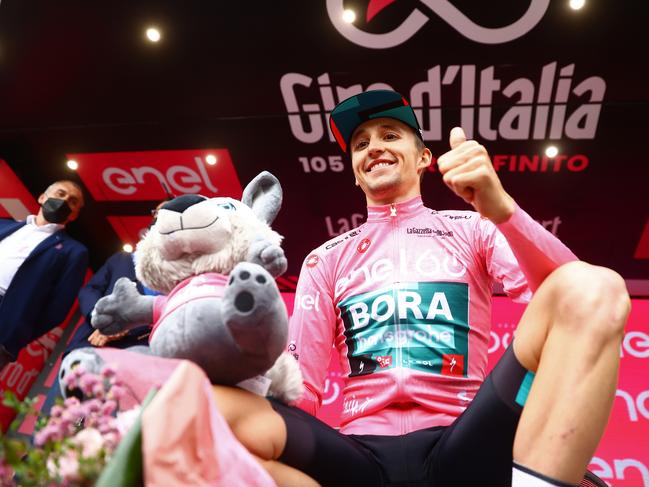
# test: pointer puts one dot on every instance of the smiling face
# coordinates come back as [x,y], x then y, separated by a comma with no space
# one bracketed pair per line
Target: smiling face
[387,161]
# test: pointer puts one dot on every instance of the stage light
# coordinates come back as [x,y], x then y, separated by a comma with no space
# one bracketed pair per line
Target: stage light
[153,34]
[127,248]
[74,165]
[349,16]
[551,151]
[577,4]
[210,159]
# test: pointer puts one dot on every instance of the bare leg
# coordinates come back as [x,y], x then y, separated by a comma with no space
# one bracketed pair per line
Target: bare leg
[570,335]
[262,431]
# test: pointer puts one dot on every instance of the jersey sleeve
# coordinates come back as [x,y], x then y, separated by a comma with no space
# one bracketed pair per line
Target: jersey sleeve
[520,254]
[311,330]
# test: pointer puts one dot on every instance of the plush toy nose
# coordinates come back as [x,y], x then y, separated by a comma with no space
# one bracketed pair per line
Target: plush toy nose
[181,203]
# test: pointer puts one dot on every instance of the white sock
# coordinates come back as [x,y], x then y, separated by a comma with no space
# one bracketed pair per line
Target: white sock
[525,477]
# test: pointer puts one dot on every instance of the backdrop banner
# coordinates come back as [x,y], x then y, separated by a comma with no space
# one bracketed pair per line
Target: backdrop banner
[518,77]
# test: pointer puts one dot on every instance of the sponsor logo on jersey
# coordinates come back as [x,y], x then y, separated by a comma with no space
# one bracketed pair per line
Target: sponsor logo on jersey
[452,364]
[364,245]
[308,302]
[428,232]
[419,231]
[351,234]
[332,244]
[416,325]
[458,217]
[427,264]
[312,260]
[384,361]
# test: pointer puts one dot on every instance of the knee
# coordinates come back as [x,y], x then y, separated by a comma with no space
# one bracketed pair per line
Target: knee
[590,299]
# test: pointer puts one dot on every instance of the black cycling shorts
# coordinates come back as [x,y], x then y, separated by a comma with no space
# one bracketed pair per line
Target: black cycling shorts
[476,449]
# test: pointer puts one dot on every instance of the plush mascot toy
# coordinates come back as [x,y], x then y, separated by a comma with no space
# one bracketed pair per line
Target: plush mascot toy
[215,260]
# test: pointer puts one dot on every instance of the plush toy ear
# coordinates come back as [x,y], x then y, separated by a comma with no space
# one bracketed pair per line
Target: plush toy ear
[264,195]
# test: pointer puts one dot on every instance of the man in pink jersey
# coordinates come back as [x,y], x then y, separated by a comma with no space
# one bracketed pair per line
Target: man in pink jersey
[405,301]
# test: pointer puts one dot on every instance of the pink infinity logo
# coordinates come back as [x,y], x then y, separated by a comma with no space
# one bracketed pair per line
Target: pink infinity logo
[446,11]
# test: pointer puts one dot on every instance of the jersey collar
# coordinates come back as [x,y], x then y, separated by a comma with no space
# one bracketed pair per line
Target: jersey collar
[405,209]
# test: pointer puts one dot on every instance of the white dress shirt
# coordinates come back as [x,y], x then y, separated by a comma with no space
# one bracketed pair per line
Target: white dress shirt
[15,248]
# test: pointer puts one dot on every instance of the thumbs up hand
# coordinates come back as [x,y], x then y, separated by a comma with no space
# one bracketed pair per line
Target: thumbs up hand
[468,171]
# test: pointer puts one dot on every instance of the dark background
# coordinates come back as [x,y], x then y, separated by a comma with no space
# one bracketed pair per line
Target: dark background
[79,77]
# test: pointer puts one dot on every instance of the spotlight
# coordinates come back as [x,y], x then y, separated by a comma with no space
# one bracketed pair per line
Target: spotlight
[349,16]
[127,248]
[74,165]
[576,4]
[153,34]
[210,159]
[551,151]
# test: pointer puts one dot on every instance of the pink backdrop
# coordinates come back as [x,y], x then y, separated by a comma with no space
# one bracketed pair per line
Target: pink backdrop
[622,458]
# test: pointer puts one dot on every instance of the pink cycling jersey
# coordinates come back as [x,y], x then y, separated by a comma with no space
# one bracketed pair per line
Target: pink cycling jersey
[406,301]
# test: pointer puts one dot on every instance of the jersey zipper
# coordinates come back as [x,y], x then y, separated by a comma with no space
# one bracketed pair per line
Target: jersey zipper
[394,224]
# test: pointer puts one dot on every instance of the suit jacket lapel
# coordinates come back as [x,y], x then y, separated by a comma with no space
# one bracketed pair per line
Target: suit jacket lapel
[10,228]
[52,240]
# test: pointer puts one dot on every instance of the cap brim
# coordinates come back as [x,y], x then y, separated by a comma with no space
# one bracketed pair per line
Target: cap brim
[358,109]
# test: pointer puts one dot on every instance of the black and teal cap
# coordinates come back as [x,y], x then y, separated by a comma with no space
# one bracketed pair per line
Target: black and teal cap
[358,109]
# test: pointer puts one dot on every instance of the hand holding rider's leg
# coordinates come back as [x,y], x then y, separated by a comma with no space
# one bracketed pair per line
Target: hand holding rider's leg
[570,336]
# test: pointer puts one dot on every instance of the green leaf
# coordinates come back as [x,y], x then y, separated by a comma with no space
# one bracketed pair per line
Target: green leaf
[10,400]
[37,456]
[14,451]
[125,467]
[41,422]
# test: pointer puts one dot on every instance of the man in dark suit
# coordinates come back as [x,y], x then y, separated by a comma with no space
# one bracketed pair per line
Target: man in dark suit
[120,264]
[41,269]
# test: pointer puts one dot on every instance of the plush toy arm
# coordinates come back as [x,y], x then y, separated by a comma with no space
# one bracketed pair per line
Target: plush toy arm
[124,309]
[270,257]
[253,311]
